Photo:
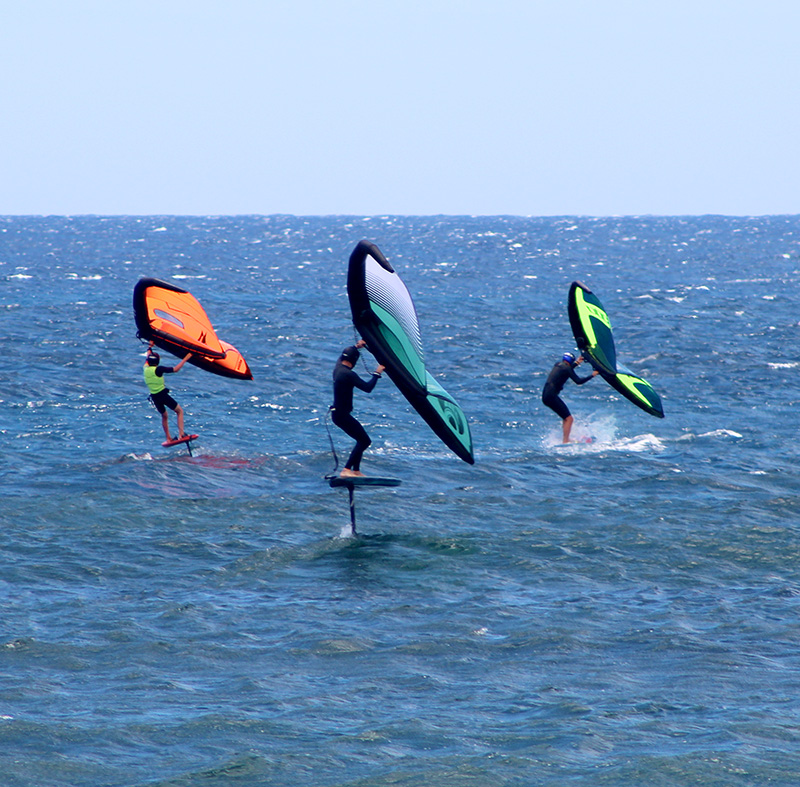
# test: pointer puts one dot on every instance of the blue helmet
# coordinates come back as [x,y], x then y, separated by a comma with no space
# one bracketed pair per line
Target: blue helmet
[568,357]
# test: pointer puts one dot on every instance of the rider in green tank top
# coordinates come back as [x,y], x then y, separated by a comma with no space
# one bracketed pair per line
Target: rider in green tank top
[154,382]
[159,393]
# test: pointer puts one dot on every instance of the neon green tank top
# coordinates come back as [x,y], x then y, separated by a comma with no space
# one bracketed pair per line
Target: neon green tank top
[154,382]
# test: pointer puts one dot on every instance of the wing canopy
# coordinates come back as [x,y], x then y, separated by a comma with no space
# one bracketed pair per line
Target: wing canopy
[176,322]
[591,327]
[637,389]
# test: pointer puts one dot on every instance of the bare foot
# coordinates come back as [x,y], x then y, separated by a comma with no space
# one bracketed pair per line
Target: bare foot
[348,473]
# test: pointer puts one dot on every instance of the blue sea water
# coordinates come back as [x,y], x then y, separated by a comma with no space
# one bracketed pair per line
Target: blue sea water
[620,613]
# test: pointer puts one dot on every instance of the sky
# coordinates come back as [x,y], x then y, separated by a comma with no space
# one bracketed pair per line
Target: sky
[349,107]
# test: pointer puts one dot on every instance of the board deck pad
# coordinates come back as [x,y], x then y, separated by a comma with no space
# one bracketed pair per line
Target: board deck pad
[179,440]
[353,481]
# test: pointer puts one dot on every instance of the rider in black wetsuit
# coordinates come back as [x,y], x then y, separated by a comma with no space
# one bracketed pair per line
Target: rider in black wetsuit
[564,370]
[344,381]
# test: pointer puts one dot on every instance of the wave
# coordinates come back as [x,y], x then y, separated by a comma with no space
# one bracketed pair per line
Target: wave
[599,434]
[723,433]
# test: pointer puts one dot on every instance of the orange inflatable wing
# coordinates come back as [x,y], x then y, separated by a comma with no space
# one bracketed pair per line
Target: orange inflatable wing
[175,321]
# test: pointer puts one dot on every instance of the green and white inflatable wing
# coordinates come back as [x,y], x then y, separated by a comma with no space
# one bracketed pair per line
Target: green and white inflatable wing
[385,316]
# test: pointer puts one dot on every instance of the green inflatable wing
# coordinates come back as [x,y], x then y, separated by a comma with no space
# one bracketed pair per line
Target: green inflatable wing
[592,330]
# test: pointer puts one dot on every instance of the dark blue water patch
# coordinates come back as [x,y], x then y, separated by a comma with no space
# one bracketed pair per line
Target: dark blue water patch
[620,612]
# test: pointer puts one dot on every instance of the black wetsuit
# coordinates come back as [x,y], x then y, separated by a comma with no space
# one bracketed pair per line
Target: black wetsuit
[556,380]
[344,381]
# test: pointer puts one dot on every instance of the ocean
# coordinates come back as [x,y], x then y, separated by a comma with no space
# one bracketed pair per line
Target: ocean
[624,612]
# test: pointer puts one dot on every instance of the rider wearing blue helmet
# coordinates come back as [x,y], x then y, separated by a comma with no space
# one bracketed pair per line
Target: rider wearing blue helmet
[562,371]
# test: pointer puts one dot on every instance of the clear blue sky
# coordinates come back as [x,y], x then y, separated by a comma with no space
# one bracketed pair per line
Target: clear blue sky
[593,107]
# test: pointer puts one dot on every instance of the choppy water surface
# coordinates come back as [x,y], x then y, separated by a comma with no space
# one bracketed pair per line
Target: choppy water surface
[620,613]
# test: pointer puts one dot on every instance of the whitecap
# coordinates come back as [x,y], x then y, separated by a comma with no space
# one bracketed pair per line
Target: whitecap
[721,433]
[643,442]
[637,444]
[146,457]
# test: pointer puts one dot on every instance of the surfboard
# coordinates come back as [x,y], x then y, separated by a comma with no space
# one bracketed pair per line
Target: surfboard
[361,481]
[179,440]
[578,441]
